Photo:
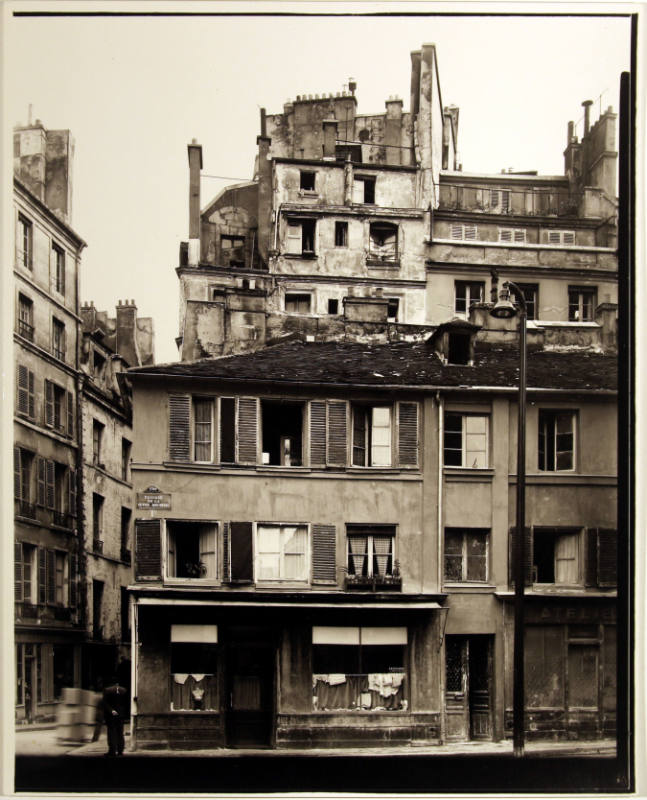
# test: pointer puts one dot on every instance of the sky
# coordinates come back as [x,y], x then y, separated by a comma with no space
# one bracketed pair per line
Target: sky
[134,91]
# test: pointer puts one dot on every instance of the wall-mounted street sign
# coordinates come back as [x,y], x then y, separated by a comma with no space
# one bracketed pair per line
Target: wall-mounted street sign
[153,500]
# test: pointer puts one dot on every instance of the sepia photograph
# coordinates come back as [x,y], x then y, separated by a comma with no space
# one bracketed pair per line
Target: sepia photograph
[320,373]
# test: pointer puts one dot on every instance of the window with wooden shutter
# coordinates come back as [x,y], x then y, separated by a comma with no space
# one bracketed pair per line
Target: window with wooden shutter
[50,477]
[148,549]
[227,430]
[71,498]
[607,557]
[74,570]
[70,414]
[337,433]
[49,404]
[16,473]
[40,481]
[324,554]
[179,427]
[51,577]
[240,552]
[17,550]
[408,434]
[318,433]
[527,556]
[42,575]
[247,430]
[226,557]
[25,402]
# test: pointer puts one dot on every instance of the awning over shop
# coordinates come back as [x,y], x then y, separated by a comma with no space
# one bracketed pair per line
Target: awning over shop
[384,605]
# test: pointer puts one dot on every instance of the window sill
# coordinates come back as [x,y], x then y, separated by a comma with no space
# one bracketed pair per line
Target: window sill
[282,585]
[468,473]
[305,256]
[469,585]
[383,264]
[192,582]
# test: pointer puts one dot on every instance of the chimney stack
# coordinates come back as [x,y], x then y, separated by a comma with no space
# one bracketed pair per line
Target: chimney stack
[329,138]
[126,333]
[587,115]
[195,165]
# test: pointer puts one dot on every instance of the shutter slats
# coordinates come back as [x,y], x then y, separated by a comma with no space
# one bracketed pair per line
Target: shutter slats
[408,434]
[70,414]
[527,556]
[16,474]
[74,568]
[51,577]
[318,433]
[240,538]
[71,503]
[247,430]
[324,554]
[179,421]
[42,575]
[18,579]
[337,433]
[49,477]
[23,389]
[148,549]
[41,481]
[607,557]
[226,560]
[49,404]
[591,564]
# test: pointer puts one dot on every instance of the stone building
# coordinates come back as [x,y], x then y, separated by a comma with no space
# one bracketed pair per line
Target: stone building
[48,620]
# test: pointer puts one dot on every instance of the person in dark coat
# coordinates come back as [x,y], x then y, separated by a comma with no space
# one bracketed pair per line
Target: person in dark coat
[115,711]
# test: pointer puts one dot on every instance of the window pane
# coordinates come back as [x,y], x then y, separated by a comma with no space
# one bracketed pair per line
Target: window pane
[453,567]
[453,543]
[358,555]
[566,561]
[475,424]
[476,548]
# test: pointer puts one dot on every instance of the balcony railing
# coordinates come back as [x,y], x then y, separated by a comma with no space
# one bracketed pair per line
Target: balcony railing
[25,330]
[506,201]
[25,509]
[97,545]
[62,519]
[26,610]
[375,583]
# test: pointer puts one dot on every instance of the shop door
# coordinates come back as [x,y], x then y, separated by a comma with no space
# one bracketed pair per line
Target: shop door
[468,670]
[250,684]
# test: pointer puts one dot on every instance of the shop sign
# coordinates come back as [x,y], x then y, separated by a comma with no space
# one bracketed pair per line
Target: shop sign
[153,500]
[562,614]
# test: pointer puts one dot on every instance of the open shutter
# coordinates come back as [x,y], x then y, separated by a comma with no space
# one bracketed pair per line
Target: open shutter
[241,552]
[318,433]
[527,556]
[337,433]
[591,564]
[74,570]
[49,404]
[17,554]
[247,430]
[32,396]
[40,481]
[226,560]
[23,389]
[49,476]
[607,557]
[16,473]
[51,577]
[42,575]
[171,562]
[179,414]
[408,434]
[148,549]
[71,499]
[70,414]
[324,554]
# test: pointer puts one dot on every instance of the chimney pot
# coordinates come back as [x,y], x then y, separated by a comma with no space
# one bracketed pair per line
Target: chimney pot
[587,115]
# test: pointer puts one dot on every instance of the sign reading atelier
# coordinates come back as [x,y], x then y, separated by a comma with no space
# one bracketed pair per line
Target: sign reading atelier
[153,500]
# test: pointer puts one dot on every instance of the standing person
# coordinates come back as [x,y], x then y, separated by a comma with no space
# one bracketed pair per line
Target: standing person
[98,719]
[115,710]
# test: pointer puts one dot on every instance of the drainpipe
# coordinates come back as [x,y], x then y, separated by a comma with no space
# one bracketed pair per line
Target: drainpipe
[440,404]
[134,654]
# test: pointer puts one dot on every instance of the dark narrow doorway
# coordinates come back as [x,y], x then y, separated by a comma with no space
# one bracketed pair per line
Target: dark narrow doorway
[468,682]
[250,687]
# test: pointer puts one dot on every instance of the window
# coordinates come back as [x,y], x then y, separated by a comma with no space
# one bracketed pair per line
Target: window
[333,306]
[466,232]
[26,404]
[341,234]
[370,553]
[359,668]
[58,339]
[500,200]
[61,489]
[556,440]
[282,426]
[342,151]
[23,471]
[466,554]
[97,603]
[301,237]
[97,522]
[26,582]
[372,436]
[561,237]
[297,303]
[59,266]
[459,348]
[467,293]
[59,408]
[232,249]
[393,305]
[282,553]
[531,296]
[466,440]
[307,181]
[125,458]
[125,553]
[97,442]
[61,593]
[203,429]
[191,550]
[383,241]
[25,317]
[194,668]
[581,303]
[25,242]
[516,235]
[556,556]
[364,190]
[98,364]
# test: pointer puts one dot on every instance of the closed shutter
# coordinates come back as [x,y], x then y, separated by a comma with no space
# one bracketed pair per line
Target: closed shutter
[179,413]
[247,428]
[227,430]
[470,232]
[226,560]
[23,389]
[71,501]
[148,549]
[554,237]
[607,557]
[293,239]
[51,577]
[49,475]
[40,481]
[241,552]
[318,433]
[408,434]
[74,569]
[520,235]
[17,555]
[70,414]
[337,433]
[16,473]
[591,564]
[324,554]
[49,404]
[505,235]
[456,231]
[42,575]
[569,237]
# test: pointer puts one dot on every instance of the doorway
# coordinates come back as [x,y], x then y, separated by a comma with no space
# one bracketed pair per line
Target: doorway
[468,687]
[249,698]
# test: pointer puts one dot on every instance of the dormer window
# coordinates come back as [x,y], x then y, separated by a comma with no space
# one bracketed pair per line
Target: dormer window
[458,350]
[454,342]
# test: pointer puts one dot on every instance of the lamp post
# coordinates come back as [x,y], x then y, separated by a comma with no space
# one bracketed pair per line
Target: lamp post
[504,309]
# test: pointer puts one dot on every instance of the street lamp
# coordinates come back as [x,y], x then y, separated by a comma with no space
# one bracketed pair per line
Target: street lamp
[505,309]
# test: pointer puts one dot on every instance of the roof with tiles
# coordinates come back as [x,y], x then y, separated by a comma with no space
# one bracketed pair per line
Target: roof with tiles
[399,364]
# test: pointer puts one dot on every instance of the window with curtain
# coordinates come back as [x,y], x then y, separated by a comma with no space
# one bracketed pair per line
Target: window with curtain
[282,553]
[556,556]
[202,428]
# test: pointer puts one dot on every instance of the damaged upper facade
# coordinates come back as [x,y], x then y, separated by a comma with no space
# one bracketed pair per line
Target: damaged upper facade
[365,226]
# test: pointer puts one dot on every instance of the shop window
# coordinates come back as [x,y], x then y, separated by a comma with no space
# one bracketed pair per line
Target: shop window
[341,234]
[466,554]
[282,425]
[300,238]
[466,294]
[97,443]
[333,306]
[531,296]
[191,550]
[296,303]
[203,429]
[581,303]
[583,669]
[383,241]
[307,181]
[364,190]
[371,557]
[194,668]
[556,440]
[25,242]
[232,249]
[359,668]
[465,440]
[282,553]
[58,339]
[25,317]
[556,556]
[544,666]
[59,267]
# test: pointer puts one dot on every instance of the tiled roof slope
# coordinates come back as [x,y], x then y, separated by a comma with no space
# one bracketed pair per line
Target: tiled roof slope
[400,363]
